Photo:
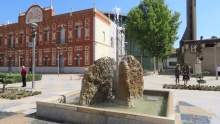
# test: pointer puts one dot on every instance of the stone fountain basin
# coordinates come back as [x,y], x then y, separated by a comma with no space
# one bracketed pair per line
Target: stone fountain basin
[88,115]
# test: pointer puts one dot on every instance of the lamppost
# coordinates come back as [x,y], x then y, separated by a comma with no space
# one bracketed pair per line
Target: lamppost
[58,58]
[215,57]
[33,26]
[19,64]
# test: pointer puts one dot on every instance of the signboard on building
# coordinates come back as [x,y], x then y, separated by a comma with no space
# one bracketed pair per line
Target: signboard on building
[30,44]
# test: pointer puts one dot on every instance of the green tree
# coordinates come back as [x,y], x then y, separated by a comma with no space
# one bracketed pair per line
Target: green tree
[154,27]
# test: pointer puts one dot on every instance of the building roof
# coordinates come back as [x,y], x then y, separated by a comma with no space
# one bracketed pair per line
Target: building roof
[210,41]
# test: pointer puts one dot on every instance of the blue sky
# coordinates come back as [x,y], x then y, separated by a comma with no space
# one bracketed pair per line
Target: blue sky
[208,11]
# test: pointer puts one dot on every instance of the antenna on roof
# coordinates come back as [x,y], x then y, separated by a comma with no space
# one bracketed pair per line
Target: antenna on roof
[71,11]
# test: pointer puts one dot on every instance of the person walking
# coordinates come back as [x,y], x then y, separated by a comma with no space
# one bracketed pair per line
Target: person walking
[186,73]
[177,73]
[24,74]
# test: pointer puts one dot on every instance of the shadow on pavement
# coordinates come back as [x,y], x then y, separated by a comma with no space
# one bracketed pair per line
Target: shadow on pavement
[167,72]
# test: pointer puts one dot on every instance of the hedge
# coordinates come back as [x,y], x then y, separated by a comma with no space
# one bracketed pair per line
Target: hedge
[9,78]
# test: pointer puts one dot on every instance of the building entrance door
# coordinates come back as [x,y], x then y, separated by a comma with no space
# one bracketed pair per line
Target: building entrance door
[10,64]
[61,62]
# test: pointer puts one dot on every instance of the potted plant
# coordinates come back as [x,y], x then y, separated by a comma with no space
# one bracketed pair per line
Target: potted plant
[199,77]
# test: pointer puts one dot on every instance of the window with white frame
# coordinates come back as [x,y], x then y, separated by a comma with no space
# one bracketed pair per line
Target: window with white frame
[47,36]
[78,32]
[62,35]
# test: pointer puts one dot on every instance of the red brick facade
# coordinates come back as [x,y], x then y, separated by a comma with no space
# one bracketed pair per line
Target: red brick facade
[53,31]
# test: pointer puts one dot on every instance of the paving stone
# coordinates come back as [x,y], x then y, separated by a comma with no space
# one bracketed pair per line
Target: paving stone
[6,114]
[184,103]
[197,104]
[42,122]
[177,109]
[188,123]
[45,95]
[185,117]
[8,105]
[30,111]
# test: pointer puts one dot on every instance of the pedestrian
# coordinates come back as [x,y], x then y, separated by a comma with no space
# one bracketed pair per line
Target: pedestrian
[30,70]
[24,74]
[177,73]
[185,73]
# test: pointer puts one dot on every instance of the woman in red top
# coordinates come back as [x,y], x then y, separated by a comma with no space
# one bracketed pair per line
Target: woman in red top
[24,74]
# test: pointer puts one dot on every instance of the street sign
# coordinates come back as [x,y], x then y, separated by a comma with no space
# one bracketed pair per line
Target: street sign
[30,44]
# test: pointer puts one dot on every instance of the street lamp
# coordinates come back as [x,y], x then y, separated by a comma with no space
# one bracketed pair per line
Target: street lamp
[33,26]
[19,64]
[58,58]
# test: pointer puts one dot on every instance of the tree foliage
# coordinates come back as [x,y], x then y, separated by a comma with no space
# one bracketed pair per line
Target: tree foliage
[154,27]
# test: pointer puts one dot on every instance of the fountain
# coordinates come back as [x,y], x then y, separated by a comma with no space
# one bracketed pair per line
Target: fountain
[100,94]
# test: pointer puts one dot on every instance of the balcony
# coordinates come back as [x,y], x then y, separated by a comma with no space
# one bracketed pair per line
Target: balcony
[10,46]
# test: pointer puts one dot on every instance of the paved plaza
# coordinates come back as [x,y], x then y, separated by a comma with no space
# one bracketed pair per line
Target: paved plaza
[191,107]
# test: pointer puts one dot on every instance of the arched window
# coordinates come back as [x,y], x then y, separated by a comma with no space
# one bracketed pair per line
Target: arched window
[10,41]
[21,38]
[1,60]
[62,35]
[21,62]
[46,61]
[47,36]
[78,32]
[1,41]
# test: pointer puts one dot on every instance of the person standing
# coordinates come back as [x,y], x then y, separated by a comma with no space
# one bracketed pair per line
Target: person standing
[186,73]
[177,73]
[24,74]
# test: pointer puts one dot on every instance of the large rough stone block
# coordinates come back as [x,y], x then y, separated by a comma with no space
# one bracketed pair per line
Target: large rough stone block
[130,81]
[97,82]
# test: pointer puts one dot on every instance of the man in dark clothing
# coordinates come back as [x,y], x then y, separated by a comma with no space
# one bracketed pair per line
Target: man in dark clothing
[30,70]
[24,74]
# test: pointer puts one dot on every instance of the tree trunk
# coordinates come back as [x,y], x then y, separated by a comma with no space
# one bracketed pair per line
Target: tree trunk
[158,65]
[3,88]
[162,60]
[154,64]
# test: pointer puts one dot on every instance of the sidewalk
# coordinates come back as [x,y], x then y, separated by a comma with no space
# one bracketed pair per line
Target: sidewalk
[191,106]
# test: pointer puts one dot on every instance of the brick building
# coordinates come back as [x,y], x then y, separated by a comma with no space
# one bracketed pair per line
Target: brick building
[77,38]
